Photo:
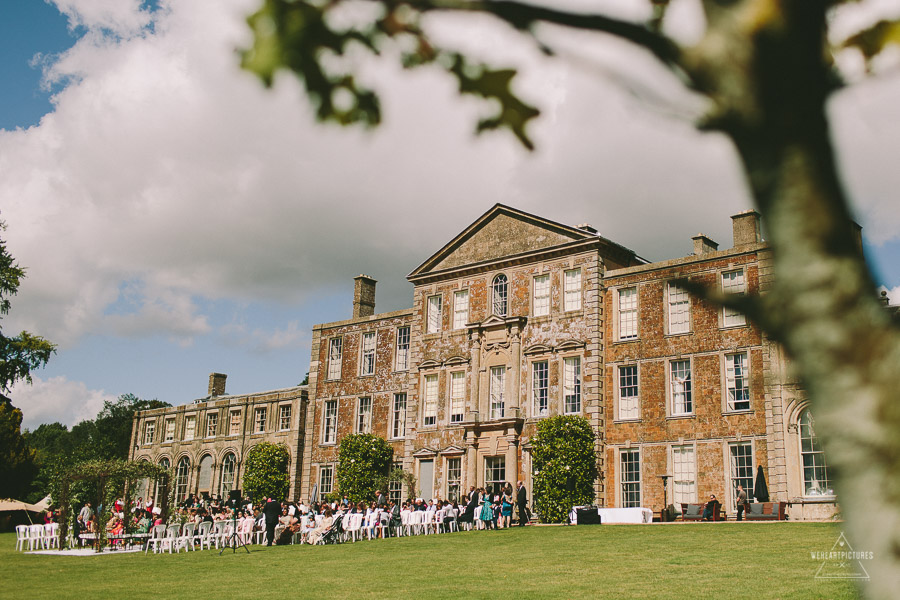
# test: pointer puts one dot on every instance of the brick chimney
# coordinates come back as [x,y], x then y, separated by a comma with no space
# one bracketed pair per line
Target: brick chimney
[746,228]
[216,384]
[704,244]
[363,296]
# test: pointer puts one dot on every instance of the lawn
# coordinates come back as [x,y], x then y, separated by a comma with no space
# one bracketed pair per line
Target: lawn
[702,560]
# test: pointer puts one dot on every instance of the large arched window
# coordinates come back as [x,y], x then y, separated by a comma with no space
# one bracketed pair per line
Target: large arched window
[815,473]
[500,296]
[181,479]
[204,477]
[228,468]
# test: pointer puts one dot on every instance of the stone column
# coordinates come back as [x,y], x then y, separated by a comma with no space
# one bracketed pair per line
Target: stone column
[475,360]
[471,461]
[512,458]
[516,357]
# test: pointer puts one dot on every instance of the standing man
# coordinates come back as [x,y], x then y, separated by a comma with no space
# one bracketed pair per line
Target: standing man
[380,500]
[271,510]
[86,512]
[522,502]
[741,501]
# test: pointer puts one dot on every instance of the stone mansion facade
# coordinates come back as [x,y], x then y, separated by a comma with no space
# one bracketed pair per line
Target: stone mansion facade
[516,319]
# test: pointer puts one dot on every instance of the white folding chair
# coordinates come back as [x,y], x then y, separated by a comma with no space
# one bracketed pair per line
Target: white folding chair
[428,523]
[51,534]
[21,537]
[171,539]
[202,536]
[35,536]
[157,536]
[186,539]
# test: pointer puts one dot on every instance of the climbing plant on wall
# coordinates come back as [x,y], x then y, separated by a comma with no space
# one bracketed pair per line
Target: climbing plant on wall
[565,466]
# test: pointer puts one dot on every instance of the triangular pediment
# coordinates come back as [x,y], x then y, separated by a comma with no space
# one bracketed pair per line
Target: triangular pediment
[500,233]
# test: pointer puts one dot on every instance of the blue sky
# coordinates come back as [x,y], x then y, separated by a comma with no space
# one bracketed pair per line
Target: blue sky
[176,218]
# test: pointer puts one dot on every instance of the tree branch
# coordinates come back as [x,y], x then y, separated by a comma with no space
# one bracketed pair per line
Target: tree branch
[757,308]
[525,16]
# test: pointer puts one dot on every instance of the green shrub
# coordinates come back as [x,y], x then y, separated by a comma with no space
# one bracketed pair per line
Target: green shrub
[266,472]
[565,466]
[363,462]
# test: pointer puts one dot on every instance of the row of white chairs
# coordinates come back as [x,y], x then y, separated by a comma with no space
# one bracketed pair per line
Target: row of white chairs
[37,537]
[418,522]
[190,536]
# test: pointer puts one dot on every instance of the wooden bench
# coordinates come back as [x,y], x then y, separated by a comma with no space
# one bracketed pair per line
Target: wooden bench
[694,512]
[766,511]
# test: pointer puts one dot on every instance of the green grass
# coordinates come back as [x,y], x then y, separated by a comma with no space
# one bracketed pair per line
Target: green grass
[703,560]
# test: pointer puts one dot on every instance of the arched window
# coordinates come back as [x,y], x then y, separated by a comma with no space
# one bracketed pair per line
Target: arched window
[500,295]
[181,479]
[228,468]
[204,478]
[815,473]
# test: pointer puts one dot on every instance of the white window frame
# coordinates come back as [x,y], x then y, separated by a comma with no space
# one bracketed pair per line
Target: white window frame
[572,289]
[401,359]
[541,295]
[540,388]
[460,309]
[285,414]
[229,470]
[629,485]
[190,427]
[572,385]
[169,430]
[335,357]
[497,392]
[329,422]
[493,467]
[747,479]
[627,323]
[629,405]
[680,388]
[678,310]
[457,396]
[500,295]
[733,282]
[736,394]
[434,314]
[684,473]
[454,477]
[364,414]
[430,404]
[367,354]
[812,456]
[326,474]
[398,416]
[212,423]
[259,419]
[232,422]
[149,431]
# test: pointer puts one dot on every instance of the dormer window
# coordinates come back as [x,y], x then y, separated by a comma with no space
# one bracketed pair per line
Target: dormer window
[500,289]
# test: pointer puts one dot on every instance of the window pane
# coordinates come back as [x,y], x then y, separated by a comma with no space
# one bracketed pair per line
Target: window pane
[368,354]
[457,396]
[685,474]
[494,473]
[541,295]
[434,314]
[398,416]
[431,399]
[631,478]
[402,348]
[741,467]
[284,417]
[572,384]
[334,358]
[460,309]
[815,471]
[573,290]
[736,382]
[628,314]
[628,392]
[681,387]
[364,416]
[329,425]
[733,283]
[500,292]
[679,310]
[540,388]
[498,379]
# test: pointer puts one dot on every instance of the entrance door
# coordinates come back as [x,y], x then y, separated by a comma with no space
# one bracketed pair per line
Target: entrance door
[426,479]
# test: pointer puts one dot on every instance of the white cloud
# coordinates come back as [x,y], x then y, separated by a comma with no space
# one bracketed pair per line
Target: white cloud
[167,176]
[57,399]
[265,341]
